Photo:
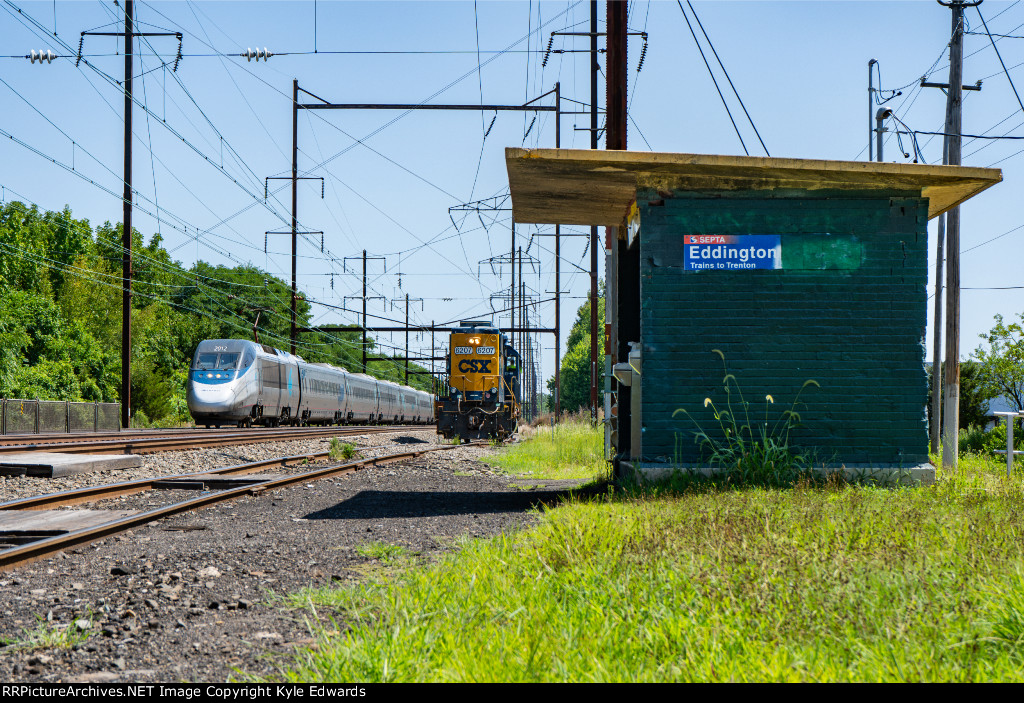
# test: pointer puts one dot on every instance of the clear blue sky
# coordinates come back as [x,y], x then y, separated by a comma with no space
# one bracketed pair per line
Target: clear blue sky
[221,124]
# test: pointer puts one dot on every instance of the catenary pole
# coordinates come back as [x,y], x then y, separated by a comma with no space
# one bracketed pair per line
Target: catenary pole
[512,292]
[364,310]
[407,339]
[558,269]
[871,99]
[615,139]
[593,230]
[129,36]
[126,227]
[295,201]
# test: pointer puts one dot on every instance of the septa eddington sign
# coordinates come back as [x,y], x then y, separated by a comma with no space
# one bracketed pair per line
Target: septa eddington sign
[731,252]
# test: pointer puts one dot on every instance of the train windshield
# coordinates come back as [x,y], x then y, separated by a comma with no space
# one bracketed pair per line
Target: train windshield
[224,361]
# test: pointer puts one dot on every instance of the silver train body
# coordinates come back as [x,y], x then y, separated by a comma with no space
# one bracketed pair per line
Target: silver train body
[235,381]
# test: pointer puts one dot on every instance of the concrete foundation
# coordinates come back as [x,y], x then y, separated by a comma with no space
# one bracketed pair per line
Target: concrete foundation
[921,475]
[56,465]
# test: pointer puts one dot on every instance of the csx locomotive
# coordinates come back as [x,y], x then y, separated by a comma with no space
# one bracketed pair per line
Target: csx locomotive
[482,399]
[235,381]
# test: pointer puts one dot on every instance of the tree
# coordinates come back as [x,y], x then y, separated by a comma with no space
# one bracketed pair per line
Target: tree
[1001,366]
[974,395]
[60,315]
[576,362]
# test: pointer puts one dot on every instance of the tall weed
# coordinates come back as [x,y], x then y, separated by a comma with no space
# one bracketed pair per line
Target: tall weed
[746,451]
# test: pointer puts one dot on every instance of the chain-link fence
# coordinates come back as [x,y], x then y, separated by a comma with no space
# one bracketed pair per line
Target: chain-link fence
[42,416]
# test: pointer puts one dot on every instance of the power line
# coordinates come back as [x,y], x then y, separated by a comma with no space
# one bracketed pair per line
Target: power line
[735,92]
[996,49]
[989,241]
[713,79]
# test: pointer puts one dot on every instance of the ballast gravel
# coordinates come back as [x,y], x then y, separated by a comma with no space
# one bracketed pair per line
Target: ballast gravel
[196,597]
[199,460]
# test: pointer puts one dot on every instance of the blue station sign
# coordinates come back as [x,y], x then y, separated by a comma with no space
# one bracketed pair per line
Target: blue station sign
[731,252]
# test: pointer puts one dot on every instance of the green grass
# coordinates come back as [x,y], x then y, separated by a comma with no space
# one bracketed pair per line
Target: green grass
[575,451]
[382,551]
[47,636]
[840,583]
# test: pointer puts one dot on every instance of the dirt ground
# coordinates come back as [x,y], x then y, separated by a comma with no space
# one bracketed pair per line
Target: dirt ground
[195,597]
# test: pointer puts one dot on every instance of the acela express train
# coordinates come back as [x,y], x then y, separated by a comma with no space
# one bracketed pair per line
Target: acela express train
[235,381]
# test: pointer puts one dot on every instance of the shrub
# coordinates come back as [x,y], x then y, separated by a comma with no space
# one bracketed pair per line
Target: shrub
[339,451]
[995,439]
[972,440]
[140,419]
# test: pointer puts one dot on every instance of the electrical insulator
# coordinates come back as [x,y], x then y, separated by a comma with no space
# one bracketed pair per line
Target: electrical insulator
[257,54]
[41,56]
[547,53]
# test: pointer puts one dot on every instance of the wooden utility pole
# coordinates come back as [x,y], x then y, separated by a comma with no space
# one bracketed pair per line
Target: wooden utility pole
[940,377]
[951,379]
[935,428]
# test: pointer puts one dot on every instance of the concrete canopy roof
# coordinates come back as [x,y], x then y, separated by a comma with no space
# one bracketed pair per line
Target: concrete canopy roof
[593,187]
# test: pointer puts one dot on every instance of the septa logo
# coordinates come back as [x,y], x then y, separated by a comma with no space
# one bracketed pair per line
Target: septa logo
[708,239]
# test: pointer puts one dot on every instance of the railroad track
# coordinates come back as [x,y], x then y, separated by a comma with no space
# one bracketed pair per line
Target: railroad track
[230,478]
[147,443]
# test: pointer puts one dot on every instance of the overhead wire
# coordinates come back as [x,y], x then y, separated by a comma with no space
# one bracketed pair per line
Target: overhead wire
[112,81]
[713,79]
[722,65]
[150,116]
[1000,57]
[324,162]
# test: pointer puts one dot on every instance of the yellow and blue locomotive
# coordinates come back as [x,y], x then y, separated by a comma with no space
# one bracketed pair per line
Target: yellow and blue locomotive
[482,392]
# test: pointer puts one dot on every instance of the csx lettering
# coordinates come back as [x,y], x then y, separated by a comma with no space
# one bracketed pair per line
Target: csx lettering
[475,366]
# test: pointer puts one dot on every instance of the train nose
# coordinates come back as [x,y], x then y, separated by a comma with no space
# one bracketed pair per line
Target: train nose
[209,398]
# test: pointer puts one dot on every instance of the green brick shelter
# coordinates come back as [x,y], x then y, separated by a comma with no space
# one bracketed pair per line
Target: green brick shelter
[792,269]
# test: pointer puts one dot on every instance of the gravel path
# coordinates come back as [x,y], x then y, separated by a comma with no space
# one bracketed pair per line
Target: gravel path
[191,598]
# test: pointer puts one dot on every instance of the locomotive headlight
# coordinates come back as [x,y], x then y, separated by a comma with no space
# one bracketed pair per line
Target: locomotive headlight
[494,390]
[209,375]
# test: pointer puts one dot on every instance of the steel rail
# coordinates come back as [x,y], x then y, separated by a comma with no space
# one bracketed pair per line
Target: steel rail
[149,444]
[89,494]
[170,432]
[24,438]
[33,551]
